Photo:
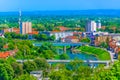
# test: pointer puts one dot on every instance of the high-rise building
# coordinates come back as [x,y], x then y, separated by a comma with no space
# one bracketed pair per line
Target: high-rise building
[98,24]
[91,26]
[26,27]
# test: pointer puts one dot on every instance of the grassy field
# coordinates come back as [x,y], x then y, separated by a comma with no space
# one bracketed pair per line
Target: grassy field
[98,52]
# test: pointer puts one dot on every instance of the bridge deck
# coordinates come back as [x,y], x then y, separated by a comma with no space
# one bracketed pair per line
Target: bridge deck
[68,61]
[62,44]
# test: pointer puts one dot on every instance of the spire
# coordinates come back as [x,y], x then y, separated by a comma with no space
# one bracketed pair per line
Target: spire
[20,14]
[20,22]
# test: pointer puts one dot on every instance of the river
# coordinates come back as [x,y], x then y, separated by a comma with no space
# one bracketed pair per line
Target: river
[80,56]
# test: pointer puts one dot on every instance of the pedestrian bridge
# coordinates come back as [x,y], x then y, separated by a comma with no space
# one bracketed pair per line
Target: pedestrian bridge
[63,44]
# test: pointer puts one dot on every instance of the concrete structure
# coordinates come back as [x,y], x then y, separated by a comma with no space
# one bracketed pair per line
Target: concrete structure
[37,74]
[68,61]
[63,44]
[91,26]
[20,22]
[26,27]
[58,34]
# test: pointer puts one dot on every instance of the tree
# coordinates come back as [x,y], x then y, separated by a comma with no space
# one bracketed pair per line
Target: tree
[6,72]
[29,66]
[83,73]
[48,54]
[18,69]
[61,75]
[74,65]
[2,42]
[3,73]
[86,40]
[104,45]
[11,46]
[9,70]
[41,64]
[52,37]
[11,60]
[25,77]
[64,56]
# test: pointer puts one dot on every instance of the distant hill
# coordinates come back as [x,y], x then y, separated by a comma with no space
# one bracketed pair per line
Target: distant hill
[68,12]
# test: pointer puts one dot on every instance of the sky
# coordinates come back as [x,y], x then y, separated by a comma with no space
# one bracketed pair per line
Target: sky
[32,5]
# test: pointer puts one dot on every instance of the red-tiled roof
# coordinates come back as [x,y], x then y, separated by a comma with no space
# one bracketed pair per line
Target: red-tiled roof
[4,54]
[16,30]
[34,32]
[74,33]
[62,28]
[7,53]
[72,37]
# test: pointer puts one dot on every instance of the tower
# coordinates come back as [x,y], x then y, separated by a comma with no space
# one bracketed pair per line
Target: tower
[91,26]
[20,22]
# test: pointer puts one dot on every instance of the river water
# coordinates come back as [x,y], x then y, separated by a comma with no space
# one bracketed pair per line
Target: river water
[80,56]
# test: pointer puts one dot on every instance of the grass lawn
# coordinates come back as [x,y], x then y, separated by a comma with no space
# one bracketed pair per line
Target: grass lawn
[98,52]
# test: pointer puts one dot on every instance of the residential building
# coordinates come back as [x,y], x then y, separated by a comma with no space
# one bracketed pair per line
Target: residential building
[26,27]
[100,39]
[7,53]
[71,39]
[59,35]
[91,26]
[16,30]
[4,55]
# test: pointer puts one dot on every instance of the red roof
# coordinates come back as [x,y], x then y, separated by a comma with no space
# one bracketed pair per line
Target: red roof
[72,37]
[75,33]
[4,54]
[16,30]
[62,28]
[34,32]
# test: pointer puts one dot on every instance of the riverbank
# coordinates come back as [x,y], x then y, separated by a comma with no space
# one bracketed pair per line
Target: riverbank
[98,52]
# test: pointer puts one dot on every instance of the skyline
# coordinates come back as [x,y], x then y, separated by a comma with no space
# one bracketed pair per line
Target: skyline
[49,5]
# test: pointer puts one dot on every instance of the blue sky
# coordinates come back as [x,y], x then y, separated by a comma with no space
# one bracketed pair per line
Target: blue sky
[31,5]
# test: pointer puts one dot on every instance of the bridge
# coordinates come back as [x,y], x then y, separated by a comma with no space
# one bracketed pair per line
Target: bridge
[107,63]
[63,44]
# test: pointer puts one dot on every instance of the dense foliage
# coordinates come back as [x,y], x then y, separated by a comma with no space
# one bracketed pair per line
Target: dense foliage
[11,70]
[87,73]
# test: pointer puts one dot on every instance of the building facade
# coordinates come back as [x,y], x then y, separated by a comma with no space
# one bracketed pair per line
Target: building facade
[26,28]
[59,35]
[91,26]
